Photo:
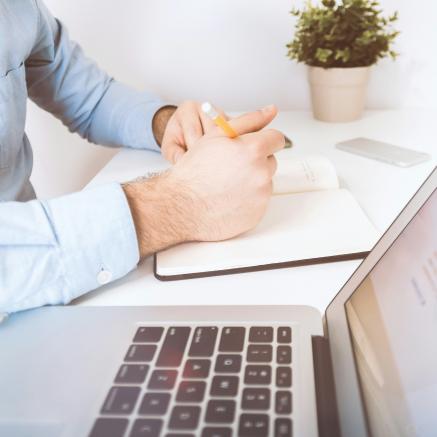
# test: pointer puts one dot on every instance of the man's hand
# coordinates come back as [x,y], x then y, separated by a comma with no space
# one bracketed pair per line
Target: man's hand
[177,130]
[218,189]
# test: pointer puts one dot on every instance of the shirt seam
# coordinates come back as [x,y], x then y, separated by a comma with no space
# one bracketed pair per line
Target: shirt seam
[38,18]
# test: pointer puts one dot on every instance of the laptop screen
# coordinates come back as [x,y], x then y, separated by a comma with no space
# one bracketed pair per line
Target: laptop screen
[392,318]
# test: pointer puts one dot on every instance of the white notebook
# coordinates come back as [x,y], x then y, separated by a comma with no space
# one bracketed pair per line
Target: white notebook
[309,220]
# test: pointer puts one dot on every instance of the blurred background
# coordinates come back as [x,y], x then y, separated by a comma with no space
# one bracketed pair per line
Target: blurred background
[229,52]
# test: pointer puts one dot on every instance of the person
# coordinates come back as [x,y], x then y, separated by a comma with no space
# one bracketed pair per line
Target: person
[52,251]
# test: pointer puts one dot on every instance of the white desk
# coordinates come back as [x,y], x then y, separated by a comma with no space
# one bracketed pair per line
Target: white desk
[381,189]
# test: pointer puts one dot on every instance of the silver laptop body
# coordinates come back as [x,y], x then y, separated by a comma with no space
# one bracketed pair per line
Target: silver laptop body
[368,367]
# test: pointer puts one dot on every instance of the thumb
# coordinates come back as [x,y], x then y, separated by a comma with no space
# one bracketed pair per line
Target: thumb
[254,121]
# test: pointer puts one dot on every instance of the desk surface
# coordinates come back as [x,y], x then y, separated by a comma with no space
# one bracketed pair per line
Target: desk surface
[381,189]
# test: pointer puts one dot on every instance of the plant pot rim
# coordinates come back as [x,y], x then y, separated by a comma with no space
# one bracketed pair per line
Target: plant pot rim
[338,68]
[338,77]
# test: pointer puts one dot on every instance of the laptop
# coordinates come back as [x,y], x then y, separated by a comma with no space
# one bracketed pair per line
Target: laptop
[368,367]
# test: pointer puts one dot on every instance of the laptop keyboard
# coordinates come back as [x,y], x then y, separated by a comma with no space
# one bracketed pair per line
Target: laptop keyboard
[206,381]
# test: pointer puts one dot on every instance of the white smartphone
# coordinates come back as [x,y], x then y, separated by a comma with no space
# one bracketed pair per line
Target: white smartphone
[383,152]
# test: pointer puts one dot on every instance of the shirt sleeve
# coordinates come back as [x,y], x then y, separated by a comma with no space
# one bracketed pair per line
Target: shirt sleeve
[51,252]
[63,81]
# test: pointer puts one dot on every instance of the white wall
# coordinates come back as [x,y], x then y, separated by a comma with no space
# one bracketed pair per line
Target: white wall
[231,52]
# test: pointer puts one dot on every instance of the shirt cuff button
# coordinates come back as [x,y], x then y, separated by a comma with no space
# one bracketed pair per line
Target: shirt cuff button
[104,277]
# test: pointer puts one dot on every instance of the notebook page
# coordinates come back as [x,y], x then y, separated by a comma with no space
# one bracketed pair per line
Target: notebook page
[296,227]
[310,173]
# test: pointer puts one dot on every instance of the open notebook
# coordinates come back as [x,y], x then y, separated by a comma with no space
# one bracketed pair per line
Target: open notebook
[309,220]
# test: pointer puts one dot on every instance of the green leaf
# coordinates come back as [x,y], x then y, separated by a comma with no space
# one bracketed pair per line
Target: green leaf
[323,54]
[343,54]
[342,33]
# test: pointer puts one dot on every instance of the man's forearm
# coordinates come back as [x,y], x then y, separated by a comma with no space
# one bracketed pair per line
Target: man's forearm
[163,216]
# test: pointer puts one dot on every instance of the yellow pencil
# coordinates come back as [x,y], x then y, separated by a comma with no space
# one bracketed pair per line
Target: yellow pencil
[219,120]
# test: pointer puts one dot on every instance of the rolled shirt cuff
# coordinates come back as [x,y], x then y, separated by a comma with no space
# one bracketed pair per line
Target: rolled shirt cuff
[96,235]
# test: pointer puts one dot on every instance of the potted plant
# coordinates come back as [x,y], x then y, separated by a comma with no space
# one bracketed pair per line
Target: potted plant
[340,41]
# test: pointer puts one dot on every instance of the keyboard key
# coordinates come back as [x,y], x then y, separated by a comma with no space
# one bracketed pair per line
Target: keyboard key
[120,400]
[259,353]
[220,411]
[146,428]
[132,374]
[162,379]
[224,386]
[283,376]
[203,342]
[148,334]
[197,368]
[283,355]
[284,334]
[261,334]
[154,403]
[140,353]
[173,347]
[283,402]
[256,399]
[109,427]
[258,375]
[253,425]
[228,364]
[191,391]
[184,417]
[216,432]
[283,428]
[232,339]
[179,435]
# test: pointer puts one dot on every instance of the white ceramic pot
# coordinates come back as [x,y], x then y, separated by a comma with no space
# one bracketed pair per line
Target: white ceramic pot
[338,94]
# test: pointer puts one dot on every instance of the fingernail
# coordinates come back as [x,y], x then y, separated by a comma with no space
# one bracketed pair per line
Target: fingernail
[268,108]
[288,142]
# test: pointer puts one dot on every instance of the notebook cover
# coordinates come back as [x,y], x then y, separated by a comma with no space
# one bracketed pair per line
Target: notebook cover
[282,265]
[297,230]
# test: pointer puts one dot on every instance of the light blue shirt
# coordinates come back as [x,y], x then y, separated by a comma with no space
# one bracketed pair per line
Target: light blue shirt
[53,251]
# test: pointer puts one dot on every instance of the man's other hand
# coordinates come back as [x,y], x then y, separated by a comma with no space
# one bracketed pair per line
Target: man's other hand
[183,127]
[216,190]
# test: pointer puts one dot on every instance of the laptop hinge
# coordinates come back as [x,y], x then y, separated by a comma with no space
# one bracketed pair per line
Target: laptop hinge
[326,400]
